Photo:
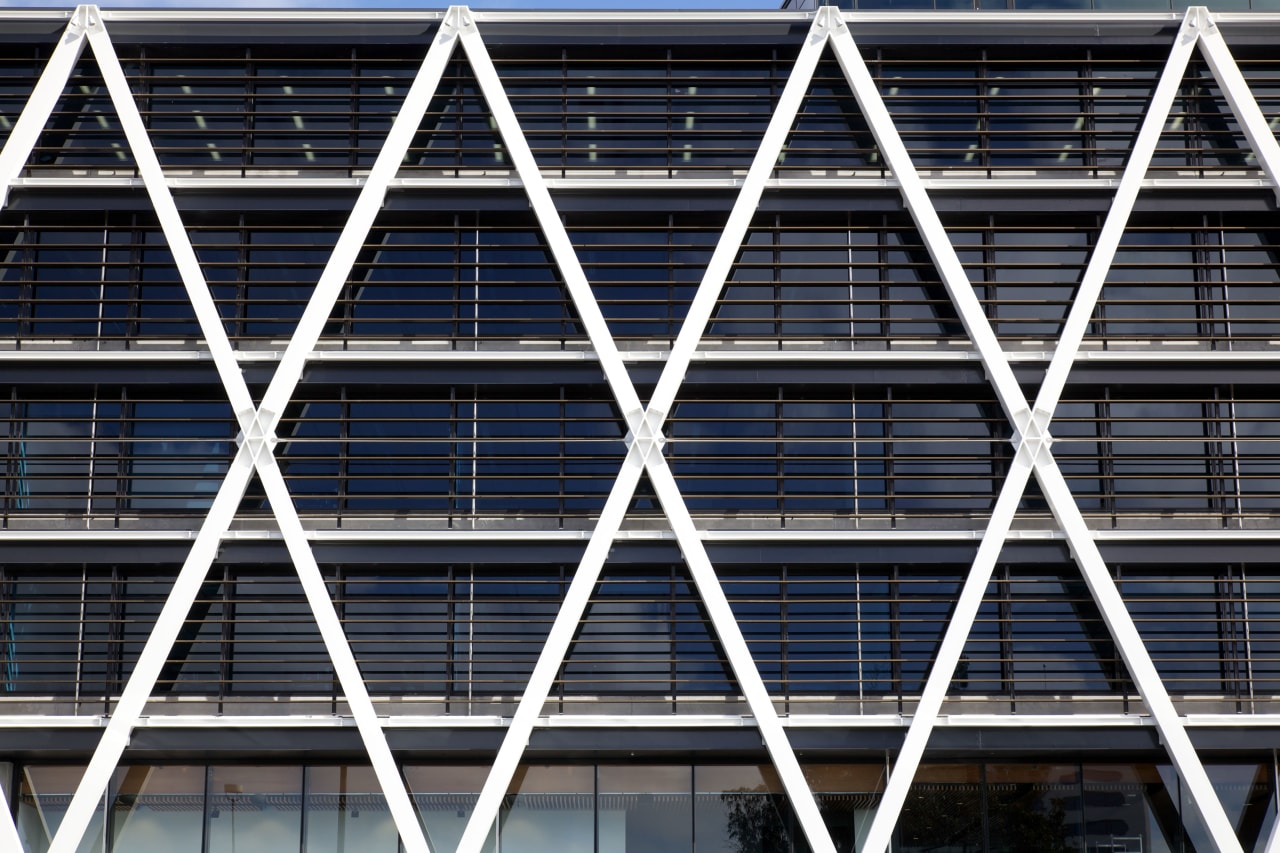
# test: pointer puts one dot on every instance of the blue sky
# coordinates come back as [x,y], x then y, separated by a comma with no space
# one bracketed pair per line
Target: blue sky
[407,4]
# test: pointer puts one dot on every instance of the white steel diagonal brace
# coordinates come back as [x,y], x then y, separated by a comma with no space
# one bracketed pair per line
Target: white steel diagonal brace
[13,157]
[1273,839]
[1032,441]
[1234,88]
[255,452]
[644,449]
[43,98]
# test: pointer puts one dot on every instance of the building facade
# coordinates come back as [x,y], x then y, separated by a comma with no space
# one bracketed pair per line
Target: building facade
[621,431]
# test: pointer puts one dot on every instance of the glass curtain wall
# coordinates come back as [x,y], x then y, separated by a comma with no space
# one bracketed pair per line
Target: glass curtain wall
[623,807]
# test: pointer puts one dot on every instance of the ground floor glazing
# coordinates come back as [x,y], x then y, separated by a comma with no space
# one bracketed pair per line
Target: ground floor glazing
[626,807]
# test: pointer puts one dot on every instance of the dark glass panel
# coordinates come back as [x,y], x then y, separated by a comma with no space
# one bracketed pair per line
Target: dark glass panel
[19,71]
[645,808]
[197,114]
[346,810]
[1080,455]
[936,109]
[261,274]
[302,115]
[943,456]
[825,641]
[1035,273]
[310,456]
[643,272]
[42,642]
[1162,460]
[1058,641]
[1151,287]
[756,599]
[1034,807]
[625,642]
[1131,804]
[1034,115]
[924,605]
[276,646]
[84,129]
[254,809]
[445,797]
[55,452]
[157,808]
[44,796]
[1262,592]
[549,809]
[407,285]
[398,627]
[67,288]
[179,454]
[397,455]
[1247,794]
[847,796]
[943,810]
[739,808]
[1257,454]
[1193,627]
[500,623]
[1120,94]
[815,280]
[1252,281]
[830,132]
[457,130]
[982,668]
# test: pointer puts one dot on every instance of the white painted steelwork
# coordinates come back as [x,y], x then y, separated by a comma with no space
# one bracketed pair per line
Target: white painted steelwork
[1033,441]
[645,422]
[197,722]
[644,452]
[946,183]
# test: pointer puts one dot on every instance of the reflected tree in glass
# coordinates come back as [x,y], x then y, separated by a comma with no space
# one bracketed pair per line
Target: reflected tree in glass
[740,809]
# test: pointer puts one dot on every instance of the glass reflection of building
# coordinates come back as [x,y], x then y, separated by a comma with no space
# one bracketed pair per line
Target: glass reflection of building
[454,440]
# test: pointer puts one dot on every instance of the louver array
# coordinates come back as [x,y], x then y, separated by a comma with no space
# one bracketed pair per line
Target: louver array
[645,470]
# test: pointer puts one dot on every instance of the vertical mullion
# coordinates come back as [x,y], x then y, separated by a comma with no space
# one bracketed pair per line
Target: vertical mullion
[227,643]
[895,636]
[79,677]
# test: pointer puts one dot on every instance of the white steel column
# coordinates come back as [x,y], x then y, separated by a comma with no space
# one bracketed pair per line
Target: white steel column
[544,209]
[115,736]
[1104,250]
[1134,652]
[44,97]
[344,663]
[257,440]
[1234,88]
[363,213]
[1273,839]
[744,208]
[739,656]
[538,687]
[916,200]
[645,423]
[1032,440]
[644,449]
[961,620]
[8,829]
[184,257]
[13,157]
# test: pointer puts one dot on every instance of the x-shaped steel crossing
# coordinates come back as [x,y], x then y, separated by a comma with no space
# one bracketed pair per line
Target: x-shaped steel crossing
[645,422]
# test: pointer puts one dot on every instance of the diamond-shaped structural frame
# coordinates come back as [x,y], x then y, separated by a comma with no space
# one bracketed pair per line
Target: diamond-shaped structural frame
[1030,421]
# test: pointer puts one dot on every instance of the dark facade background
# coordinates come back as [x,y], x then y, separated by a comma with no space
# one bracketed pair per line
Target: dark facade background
[455,438]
